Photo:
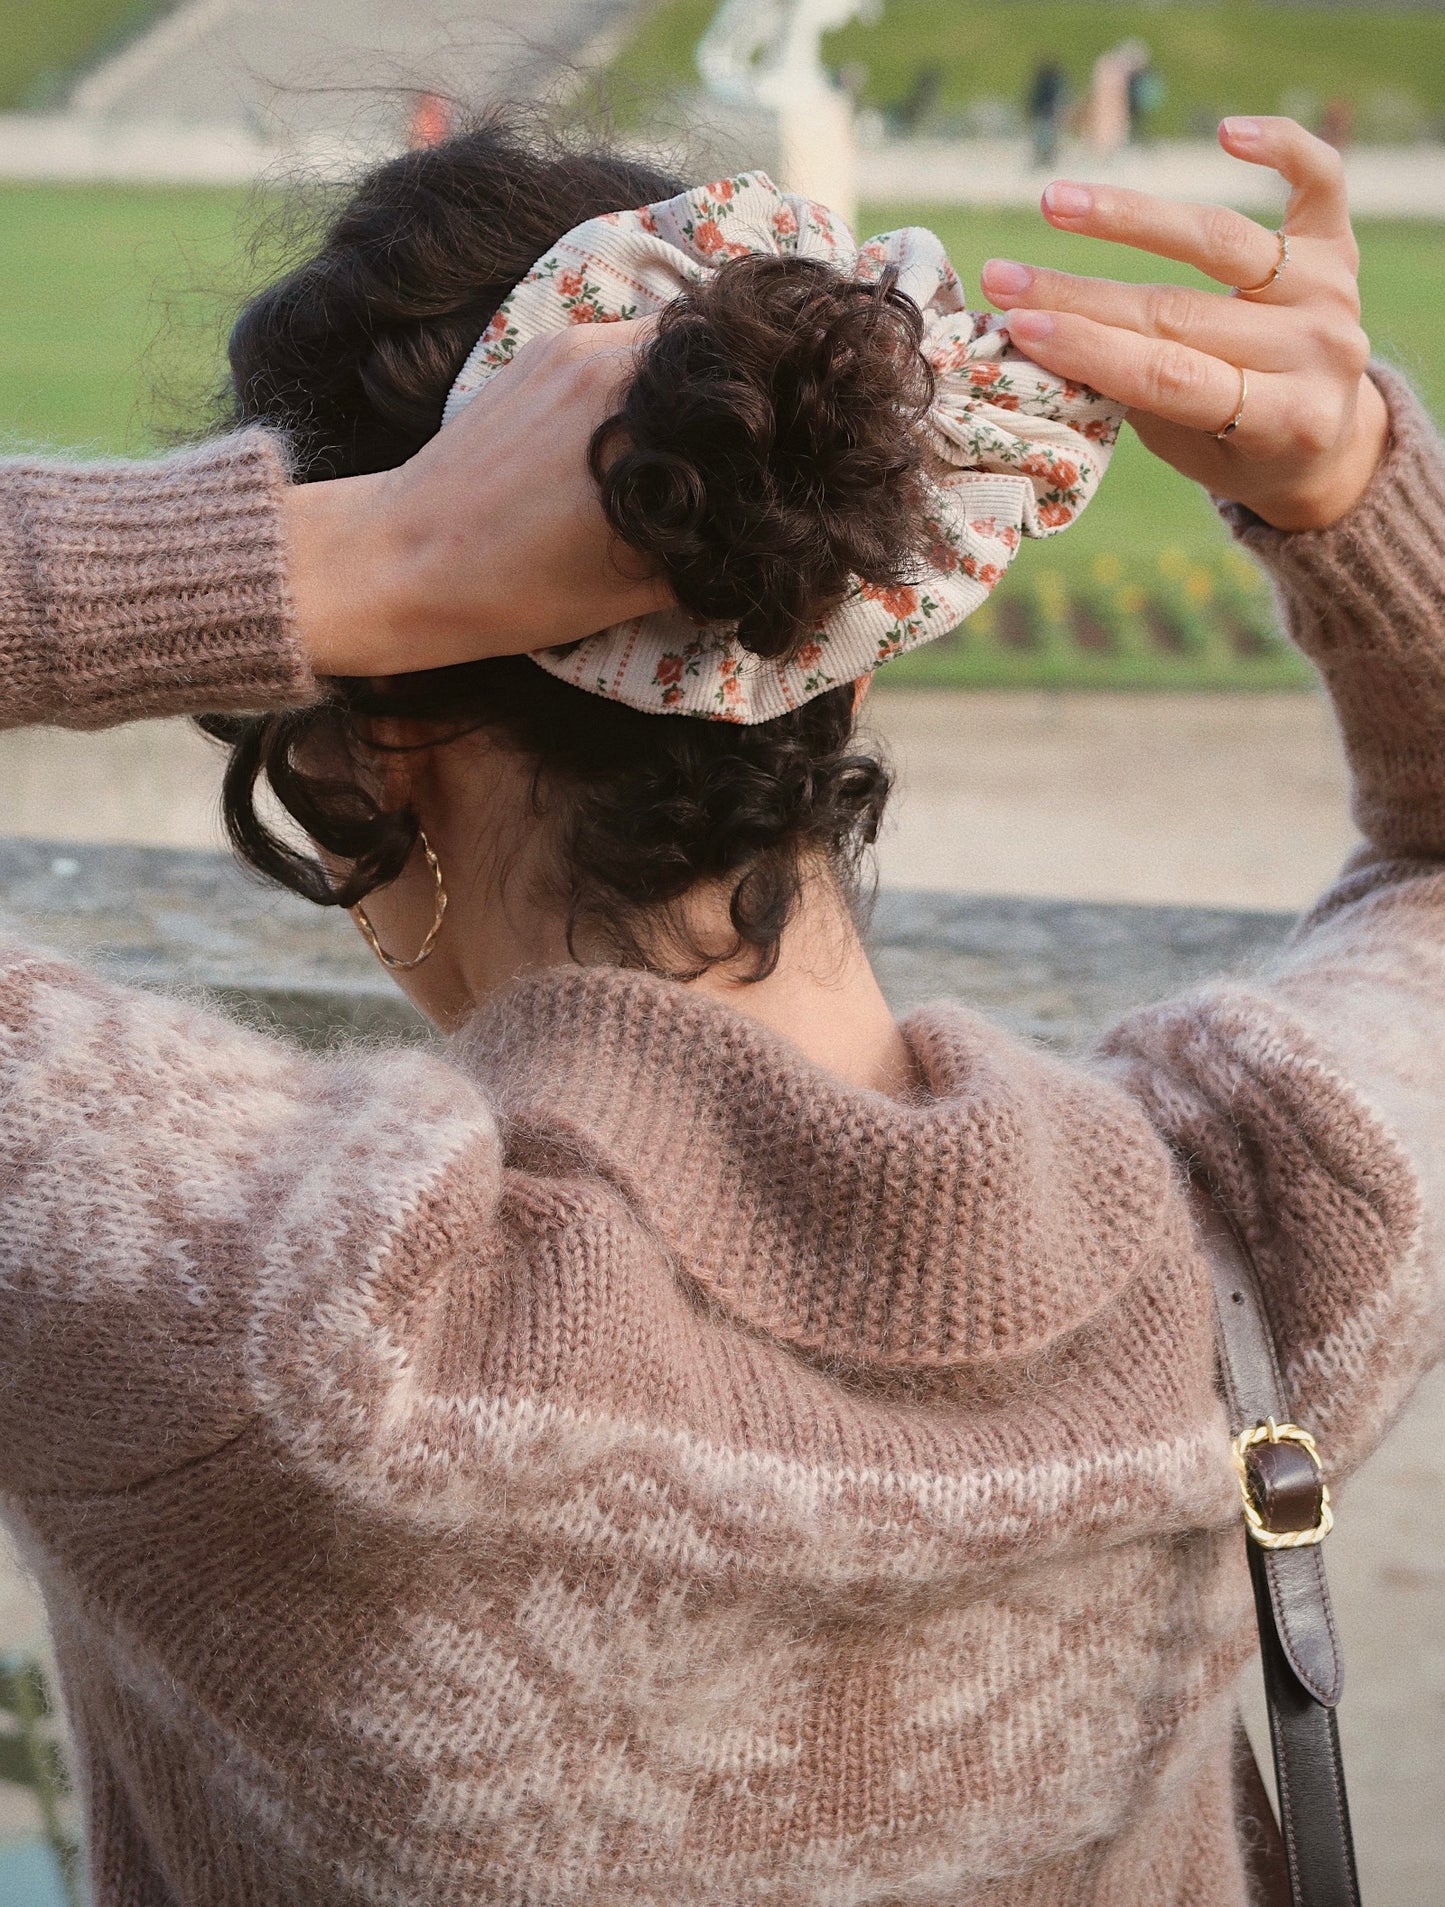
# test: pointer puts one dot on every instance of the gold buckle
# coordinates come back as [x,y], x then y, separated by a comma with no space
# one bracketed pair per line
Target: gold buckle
[1271,1432]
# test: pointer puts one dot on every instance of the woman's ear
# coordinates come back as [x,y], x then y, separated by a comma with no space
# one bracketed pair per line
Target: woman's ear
[860,690]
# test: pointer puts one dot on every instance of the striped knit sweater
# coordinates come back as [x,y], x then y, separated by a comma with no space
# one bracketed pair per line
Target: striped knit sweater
[616,1462]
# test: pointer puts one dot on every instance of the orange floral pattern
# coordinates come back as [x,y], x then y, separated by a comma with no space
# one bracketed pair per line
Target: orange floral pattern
[1021,451]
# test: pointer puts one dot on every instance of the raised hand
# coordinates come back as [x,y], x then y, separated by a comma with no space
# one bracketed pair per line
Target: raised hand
[1283,360]
[490,540]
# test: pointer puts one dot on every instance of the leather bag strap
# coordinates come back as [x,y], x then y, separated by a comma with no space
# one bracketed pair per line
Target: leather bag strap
[1287,1513]
[1261,1843]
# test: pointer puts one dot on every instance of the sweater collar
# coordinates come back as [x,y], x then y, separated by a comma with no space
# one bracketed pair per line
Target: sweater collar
[994,1212]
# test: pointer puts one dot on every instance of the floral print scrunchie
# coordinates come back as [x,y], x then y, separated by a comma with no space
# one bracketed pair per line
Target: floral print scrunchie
[1026,448]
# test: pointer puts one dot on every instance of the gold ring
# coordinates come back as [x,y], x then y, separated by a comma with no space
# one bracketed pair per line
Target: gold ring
[1233,425]
[1253,291]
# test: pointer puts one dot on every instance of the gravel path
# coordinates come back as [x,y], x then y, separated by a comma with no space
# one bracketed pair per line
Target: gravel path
[227,92]
[1200,800]
[1384,181]
[300,70]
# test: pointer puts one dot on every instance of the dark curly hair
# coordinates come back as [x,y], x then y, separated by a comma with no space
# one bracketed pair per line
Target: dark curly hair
[770,449]
[767,450]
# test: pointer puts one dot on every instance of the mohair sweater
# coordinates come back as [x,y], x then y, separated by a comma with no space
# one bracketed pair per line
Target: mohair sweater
[615,1462]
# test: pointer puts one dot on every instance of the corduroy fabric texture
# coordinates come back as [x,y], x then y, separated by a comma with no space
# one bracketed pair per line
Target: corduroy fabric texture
[1018,451]
[616,1462]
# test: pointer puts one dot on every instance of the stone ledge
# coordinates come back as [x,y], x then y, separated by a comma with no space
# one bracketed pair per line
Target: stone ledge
[172,917]
[1059,970]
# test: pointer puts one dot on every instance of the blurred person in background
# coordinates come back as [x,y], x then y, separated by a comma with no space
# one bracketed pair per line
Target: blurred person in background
[1337,127]
[1046,104]
[912,113]
[432,117]
[1108,111]
[1147,93]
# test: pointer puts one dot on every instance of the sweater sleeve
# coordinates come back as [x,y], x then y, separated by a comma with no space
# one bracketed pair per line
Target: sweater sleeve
[189,1209]
[136,589]
[1312,1094]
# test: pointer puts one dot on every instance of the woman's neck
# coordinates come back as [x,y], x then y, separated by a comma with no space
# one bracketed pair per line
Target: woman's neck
[504,920]
[824,997]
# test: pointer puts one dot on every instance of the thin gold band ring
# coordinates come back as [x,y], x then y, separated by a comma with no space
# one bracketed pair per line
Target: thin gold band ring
[1233,425]
[1280,266]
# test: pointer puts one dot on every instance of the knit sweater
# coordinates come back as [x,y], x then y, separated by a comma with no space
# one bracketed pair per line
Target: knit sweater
[614,1461]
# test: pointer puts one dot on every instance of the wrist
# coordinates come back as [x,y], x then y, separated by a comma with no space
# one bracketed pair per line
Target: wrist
[344,576]
[1336,484]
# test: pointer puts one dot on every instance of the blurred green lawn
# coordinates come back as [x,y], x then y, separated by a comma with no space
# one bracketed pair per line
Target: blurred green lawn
[43,42]
[114,308]
[1227,57]
[115,304]
[1402,273]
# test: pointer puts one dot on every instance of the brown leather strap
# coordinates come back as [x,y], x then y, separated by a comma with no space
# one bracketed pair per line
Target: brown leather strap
[1285,1482]
[1295,1578]
[1303,1667]
[1261,1844]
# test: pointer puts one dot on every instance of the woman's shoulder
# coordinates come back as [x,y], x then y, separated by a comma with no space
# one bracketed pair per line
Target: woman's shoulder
[1261,1097]
[86,1051]
[171,1184]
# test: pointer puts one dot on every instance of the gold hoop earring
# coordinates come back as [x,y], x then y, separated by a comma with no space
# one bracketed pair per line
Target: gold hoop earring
[358,914]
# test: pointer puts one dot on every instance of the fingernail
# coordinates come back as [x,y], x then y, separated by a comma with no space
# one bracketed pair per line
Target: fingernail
[1068,200]
[1031,326]
[1243,132]
[1004,277]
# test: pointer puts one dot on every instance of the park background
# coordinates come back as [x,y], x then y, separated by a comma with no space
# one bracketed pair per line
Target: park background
[1122,723]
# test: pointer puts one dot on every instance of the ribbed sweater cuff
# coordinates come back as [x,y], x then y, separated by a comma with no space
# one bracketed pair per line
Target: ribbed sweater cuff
[142,589]
[1393,538]
[1365,600]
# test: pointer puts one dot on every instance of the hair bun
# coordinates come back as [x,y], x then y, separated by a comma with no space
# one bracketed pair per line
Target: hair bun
[769,448]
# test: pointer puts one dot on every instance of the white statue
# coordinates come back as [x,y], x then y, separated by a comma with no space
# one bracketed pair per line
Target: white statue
[766,54]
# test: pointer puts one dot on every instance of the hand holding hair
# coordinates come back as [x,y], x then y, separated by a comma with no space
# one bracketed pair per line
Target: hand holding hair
[491,539]
[832,458]
[1261,396]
